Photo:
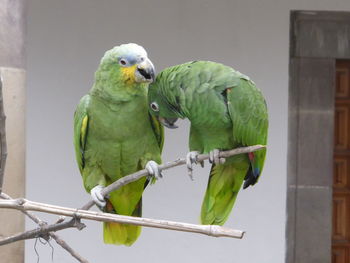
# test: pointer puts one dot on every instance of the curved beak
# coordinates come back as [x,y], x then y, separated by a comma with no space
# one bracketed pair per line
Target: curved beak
[145,71]
[168,122]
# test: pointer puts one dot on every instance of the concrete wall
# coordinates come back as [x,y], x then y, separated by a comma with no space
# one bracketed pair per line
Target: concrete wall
[66,39]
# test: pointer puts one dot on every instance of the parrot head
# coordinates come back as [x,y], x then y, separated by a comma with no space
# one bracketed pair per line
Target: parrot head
[129,63]
[166,111]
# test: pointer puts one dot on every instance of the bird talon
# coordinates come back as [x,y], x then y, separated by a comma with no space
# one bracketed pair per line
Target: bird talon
[153,169]
[191,158]
[214,157]
[97,196]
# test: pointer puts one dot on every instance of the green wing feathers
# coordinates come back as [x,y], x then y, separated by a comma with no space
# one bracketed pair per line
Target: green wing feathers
[81,124]
[248,111]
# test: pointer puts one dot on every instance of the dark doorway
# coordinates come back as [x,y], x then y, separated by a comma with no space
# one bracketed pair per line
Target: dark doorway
[341,174]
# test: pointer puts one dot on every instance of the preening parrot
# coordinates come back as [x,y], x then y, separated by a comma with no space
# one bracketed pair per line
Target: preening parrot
[226,111]
[114,135]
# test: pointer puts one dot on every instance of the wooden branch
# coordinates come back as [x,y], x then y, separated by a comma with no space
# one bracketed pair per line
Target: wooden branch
[3,144]
[210,230]
[42,231]
[139,174]
[54,236]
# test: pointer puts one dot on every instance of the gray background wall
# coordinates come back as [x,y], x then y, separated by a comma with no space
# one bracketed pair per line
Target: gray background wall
[66,39]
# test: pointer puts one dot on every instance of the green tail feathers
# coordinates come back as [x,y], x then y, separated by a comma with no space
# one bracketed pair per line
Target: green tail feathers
[223,186]
[120,234]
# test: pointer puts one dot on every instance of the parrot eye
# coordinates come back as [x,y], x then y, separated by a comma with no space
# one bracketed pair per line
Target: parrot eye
[154,106]
[122,62]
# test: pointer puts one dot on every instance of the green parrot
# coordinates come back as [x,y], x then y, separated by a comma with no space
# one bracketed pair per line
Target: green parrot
[226,111]
[114,135]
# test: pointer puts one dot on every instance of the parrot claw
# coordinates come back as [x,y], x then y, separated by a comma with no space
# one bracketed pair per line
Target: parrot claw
[191,158]
[214,157]
[153,169]
[97,196]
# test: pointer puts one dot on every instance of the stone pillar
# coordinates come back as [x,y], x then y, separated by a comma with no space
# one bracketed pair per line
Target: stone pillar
[12,64]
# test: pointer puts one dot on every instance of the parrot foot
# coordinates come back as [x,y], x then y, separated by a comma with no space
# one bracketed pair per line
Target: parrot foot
[153,169]
[192,158]
[97,196]
[214,157]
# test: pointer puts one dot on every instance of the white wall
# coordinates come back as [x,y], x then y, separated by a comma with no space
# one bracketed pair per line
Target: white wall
[67,38]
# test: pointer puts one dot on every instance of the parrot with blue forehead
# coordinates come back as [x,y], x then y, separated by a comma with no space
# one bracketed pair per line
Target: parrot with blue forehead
[226,111]
[114,135]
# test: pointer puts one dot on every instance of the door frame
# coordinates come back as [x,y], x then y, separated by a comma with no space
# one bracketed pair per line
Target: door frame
[317,39]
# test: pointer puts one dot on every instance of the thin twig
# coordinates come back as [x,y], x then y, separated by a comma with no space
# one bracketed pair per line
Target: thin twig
[210,230]
[70,250]
[54,236]
[3,144]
